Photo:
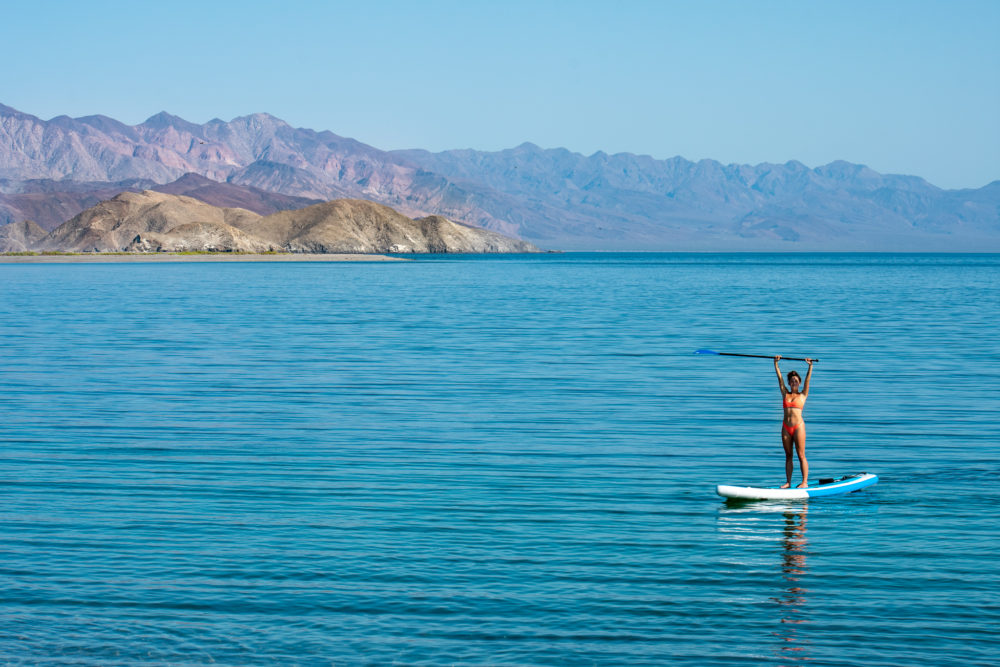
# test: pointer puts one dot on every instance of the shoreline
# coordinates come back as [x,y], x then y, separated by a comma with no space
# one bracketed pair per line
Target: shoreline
[113,258]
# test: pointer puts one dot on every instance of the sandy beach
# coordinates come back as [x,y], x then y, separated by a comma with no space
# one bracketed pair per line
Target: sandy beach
[100,258]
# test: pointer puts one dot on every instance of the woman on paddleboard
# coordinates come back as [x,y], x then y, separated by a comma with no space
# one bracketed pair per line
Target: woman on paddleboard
[793,428]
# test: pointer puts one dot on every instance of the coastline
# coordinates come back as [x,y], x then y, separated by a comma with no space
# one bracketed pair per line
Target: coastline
[113,258]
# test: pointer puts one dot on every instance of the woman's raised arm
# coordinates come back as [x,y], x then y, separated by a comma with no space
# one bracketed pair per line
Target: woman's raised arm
[781,380]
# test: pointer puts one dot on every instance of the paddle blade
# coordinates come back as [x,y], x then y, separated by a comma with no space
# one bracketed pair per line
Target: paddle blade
[704,351]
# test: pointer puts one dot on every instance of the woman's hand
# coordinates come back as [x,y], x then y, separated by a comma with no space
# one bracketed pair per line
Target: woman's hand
[809,361]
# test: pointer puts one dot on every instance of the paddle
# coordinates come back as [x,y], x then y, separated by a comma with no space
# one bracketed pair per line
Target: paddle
[758,356]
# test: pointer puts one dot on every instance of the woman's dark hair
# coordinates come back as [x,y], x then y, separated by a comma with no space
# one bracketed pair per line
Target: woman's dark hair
[791,373]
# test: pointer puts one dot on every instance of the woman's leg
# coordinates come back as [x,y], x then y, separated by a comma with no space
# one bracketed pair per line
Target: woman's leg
[800,448]
[786,442]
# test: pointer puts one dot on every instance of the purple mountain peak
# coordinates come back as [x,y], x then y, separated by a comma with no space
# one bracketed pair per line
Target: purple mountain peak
[164,121]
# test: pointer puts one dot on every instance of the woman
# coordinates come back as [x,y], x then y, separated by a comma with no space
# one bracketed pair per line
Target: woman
[793,429]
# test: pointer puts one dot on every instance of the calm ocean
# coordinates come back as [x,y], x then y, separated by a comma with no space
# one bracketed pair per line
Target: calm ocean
[497,460]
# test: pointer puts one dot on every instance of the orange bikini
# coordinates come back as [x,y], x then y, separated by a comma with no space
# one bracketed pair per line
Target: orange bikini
[790,429]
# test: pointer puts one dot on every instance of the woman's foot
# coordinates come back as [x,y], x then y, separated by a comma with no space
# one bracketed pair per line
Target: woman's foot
[786,485]
[802,485]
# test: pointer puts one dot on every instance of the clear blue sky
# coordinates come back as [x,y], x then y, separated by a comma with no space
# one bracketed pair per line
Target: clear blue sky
[904,87]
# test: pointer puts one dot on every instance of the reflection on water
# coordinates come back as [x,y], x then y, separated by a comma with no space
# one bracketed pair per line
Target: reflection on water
[791,601]
[753,529]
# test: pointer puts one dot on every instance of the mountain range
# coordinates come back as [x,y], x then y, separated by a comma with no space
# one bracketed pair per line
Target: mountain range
[52,170]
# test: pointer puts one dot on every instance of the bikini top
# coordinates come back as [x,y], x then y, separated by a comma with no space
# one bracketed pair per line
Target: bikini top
[789,404]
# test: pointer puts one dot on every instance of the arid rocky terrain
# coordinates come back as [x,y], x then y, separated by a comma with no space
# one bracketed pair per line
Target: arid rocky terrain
[151,221]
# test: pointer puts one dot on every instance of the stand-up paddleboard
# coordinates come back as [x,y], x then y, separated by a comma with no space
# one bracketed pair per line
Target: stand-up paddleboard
[825,487]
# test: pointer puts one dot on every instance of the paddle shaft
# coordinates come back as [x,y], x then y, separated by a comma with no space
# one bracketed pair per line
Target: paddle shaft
[761,356]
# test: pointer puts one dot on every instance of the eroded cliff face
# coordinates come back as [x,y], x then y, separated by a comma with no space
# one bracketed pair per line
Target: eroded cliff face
[158,222]
[20,236]
[199,237]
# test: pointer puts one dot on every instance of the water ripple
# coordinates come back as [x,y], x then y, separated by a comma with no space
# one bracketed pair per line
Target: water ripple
[495,461]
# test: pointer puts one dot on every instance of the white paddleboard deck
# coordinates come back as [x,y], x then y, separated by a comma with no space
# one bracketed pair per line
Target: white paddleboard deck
[825,487]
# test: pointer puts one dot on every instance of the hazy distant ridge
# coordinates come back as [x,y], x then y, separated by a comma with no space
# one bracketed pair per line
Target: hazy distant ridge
[553,197]
[624,198]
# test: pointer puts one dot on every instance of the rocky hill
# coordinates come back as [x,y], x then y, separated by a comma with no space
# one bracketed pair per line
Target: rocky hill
[353,225]
[152,221]
[112,225]
[553,197]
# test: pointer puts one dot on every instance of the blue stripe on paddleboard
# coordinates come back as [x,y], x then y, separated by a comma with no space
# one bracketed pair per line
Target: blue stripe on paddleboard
[847,486]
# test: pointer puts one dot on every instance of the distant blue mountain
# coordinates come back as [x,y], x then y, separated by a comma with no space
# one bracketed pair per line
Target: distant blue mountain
[628,201]
[552,197]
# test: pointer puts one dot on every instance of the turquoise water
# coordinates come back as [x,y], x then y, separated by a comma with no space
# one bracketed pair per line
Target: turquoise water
[503,460]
